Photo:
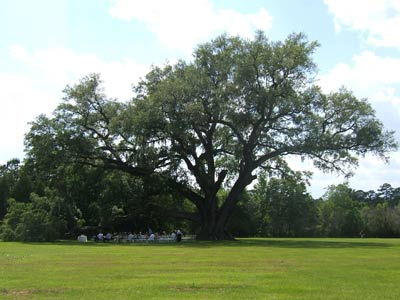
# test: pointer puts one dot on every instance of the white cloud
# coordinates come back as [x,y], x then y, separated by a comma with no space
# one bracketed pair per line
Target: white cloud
[369,76]
[181,24]
[20,103]
[372,173]
[379,20]
[20,53]
[372,77]
[61,66]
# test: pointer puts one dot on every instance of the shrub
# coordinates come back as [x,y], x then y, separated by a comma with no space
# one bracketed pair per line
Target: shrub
[37,220]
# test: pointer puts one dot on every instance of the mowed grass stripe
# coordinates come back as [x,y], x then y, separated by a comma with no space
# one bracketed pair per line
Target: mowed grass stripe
[244,269]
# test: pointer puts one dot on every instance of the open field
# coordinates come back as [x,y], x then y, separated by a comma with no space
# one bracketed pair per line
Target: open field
[247,269]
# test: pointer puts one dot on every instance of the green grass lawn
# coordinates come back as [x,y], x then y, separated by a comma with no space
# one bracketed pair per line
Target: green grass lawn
[246,269]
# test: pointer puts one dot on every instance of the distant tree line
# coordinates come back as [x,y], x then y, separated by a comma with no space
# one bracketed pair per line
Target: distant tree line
[54,199]
[281,207]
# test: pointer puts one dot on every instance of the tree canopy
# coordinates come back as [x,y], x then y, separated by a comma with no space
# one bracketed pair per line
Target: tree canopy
[195,127]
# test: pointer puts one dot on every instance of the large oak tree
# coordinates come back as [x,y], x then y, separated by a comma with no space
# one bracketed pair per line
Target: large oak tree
[196,127]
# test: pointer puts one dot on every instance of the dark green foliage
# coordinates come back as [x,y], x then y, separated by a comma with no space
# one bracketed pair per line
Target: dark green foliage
[385,194]
[40,219]
[4,195]
[246,218]
[283,207]
[291,210]
[382,220]
[23,188]
[339,213]
[280,207]
[9,174]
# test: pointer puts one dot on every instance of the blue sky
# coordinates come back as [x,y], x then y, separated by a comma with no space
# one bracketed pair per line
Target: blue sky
[47,44]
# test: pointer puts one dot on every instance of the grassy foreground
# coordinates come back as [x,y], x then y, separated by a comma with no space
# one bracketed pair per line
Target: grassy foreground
[246,269]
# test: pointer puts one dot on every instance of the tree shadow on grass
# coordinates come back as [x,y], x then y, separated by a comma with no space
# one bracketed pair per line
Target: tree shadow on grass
[249,242]
[293,243]
[94,244]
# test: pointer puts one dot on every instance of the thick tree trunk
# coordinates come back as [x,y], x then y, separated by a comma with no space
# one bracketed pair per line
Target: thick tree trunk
[210,227]
[213,222]
[214,232]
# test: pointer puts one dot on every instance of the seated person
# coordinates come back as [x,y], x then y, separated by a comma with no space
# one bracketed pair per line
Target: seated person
[173,235]
[130,237]
[108,237]
[100,237]
[178,235]
[152,237]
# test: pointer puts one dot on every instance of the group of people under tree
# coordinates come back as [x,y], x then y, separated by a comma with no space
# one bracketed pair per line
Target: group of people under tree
[130,237]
